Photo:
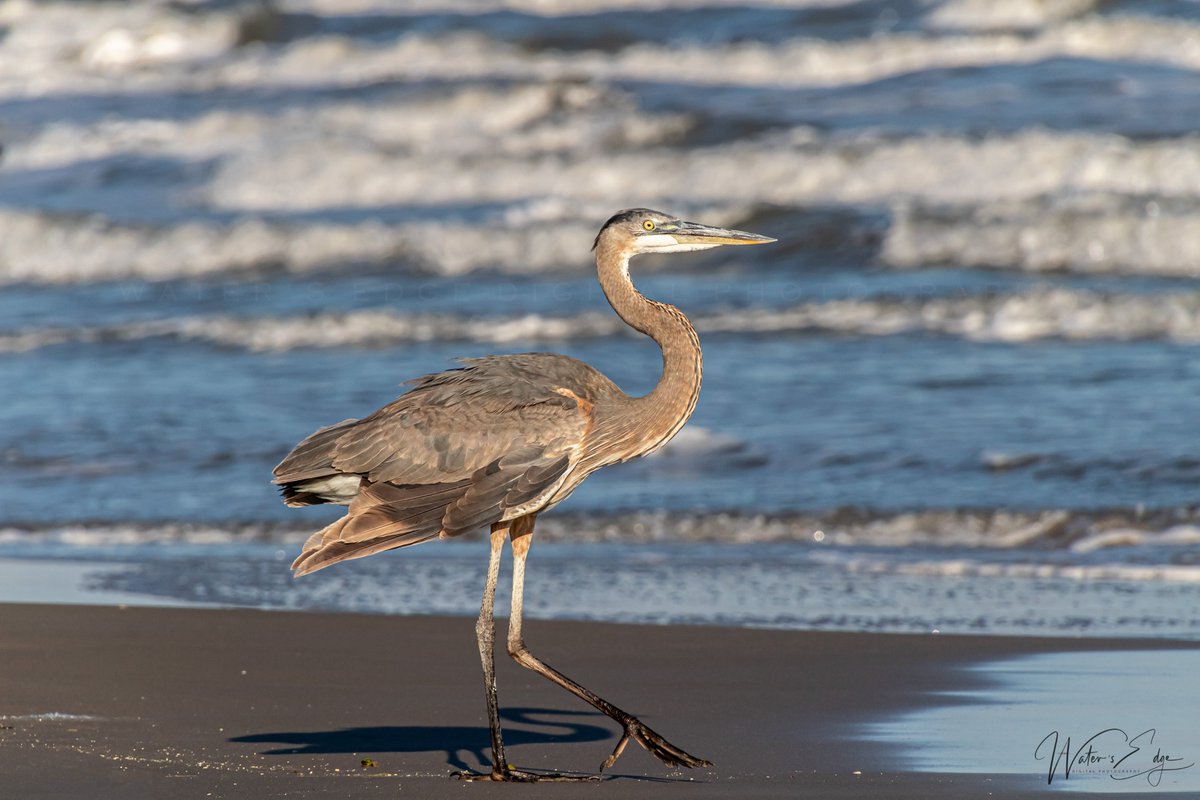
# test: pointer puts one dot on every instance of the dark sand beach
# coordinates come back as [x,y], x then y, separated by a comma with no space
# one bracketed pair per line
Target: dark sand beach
[143,702]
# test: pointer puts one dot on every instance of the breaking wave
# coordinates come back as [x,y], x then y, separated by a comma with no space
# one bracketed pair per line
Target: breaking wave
[1034,200]
[1040,313]
[1079,532]
[56,47]
[161,141]
[1087,234]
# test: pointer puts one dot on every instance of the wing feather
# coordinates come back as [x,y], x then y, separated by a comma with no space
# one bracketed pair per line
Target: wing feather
[383,517]
[458,451]
[309,458]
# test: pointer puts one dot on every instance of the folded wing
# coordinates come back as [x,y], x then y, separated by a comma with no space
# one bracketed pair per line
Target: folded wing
[459,451]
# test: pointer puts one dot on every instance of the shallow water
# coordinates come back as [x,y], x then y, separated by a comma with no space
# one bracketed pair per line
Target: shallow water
[222,227]
[835,581]
[1084,722]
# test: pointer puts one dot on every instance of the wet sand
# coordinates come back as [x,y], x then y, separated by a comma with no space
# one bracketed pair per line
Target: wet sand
[187,703]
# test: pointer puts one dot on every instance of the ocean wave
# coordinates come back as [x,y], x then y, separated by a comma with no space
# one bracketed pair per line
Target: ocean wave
[1062,530]
[1134,537]
[545,8]
[1040,313]
[791,168]
[509,118]
[972,568]
[69,47]
[454,153]
[1092,234]
[353,329]
[799,62]
[1001,200]
[986,15]
[50,248]
[58,47]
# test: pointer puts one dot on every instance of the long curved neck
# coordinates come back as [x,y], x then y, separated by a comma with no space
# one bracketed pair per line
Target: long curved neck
[654,419]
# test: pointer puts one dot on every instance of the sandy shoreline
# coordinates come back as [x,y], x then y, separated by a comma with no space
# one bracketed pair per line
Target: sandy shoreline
[239,703]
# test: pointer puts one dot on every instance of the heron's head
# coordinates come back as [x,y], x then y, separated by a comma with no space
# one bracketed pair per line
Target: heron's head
[641,230]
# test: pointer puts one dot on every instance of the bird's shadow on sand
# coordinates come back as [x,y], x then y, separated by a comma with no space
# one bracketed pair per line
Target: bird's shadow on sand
[453,740]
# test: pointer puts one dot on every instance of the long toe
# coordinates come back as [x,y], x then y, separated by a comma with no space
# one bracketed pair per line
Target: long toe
[656,745]
[510,775]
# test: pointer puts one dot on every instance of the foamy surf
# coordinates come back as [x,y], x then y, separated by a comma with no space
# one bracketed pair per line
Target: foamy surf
[786,169]
[1037,314]
[1172,534]
[185,48]
[794,587]
[1032,201]
[1082,233]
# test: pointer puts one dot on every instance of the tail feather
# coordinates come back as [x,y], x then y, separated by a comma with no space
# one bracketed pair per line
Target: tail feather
[321,556]
[294,496]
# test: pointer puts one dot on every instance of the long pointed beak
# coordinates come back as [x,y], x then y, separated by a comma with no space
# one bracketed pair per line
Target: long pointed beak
[695,233]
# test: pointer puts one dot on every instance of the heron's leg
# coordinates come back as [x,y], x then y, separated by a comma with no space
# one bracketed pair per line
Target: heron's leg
[485,634]
[657,746]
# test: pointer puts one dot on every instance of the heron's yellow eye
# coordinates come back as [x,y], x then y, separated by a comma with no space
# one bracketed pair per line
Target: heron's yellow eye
[648,224]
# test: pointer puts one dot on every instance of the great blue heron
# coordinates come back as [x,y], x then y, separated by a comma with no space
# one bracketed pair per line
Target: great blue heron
[501,439]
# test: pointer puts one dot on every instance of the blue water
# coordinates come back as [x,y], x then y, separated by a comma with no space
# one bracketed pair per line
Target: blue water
[107,419]
[155,430]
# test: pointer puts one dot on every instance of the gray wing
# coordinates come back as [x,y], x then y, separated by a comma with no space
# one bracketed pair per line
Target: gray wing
[457,452]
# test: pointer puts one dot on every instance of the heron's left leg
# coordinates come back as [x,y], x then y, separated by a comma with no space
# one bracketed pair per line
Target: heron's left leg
[485,631]
[522,536]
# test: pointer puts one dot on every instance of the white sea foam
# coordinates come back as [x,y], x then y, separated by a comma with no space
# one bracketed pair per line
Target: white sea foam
[777,168]
[66,46]
[545,8]
[797,62]
[54,248]
[1042,313]
[1084,233]
[1035,200]
[1168,573]
[510,120]
[987,15]
[999,530]
[1131,537]
[117,535]
[1037,314]
[694,442]
[495,139]
[62,47]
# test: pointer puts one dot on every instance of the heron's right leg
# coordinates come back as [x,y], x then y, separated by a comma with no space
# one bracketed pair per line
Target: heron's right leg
[485,634]
[634,728]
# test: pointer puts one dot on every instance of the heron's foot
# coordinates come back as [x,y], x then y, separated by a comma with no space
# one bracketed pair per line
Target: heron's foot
[655,745]
[511,775]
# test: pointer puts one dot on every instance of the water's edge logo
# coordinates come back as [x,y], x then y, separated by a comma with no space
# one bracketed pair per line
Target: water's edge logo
[1111,752]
